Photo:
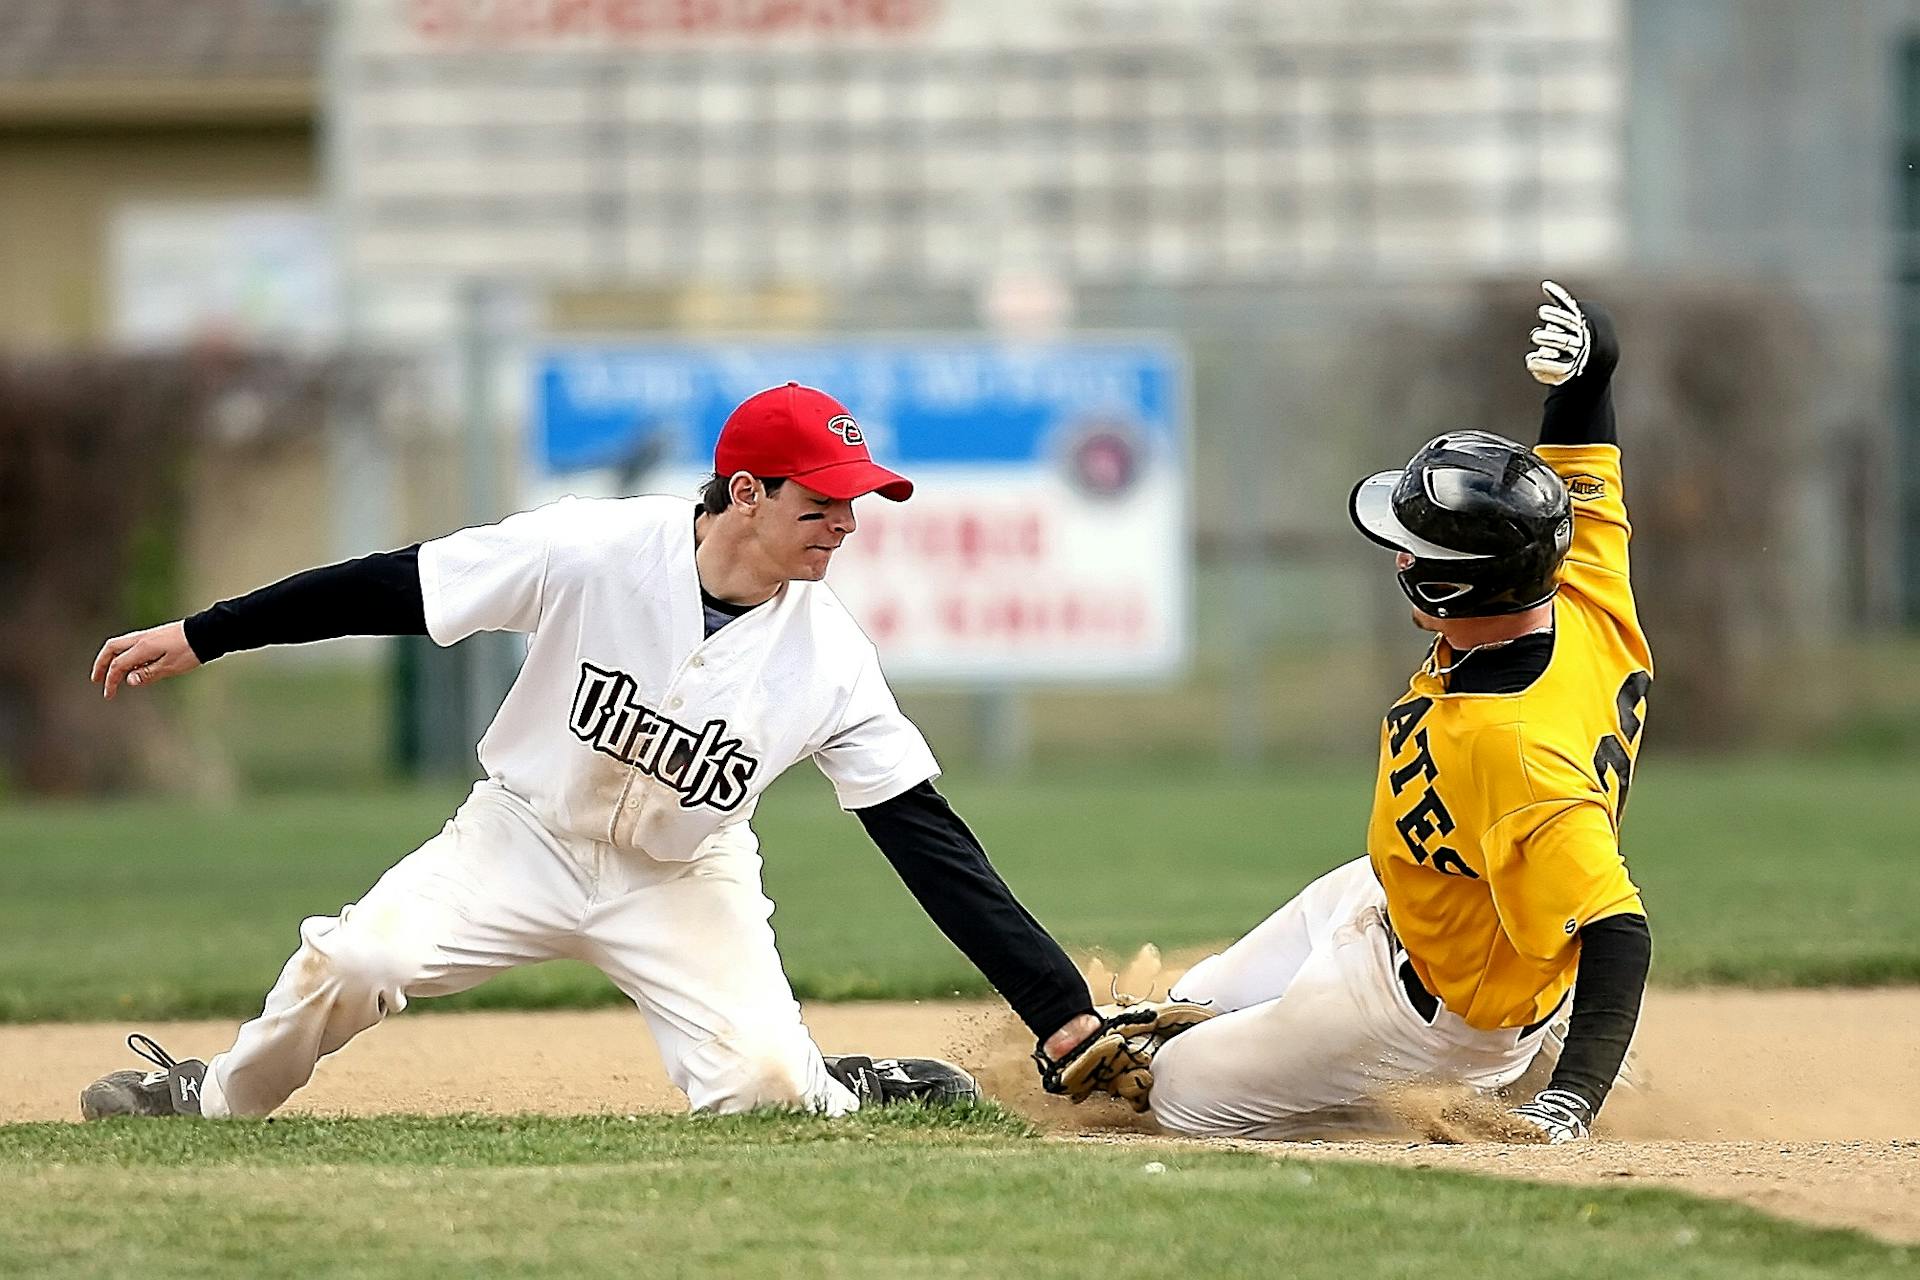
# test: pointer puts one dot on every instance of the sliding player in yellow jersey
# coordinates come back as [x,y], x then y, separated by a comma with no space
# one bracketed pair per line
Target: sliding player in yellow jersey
[1493,888]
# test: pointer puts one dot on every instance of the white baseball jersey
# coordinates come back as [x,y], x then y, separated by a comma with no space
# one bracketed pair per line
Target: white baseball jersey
[629,724]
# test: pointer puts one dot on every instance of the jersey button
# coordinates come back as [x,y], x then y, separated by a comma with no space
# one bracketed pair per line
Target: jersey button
[633,804]
[699,662]
[676,703]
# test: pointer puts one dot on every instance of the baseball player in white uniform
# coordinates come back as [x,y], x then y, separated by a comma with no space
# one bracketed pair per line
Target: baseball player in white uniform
[681,656]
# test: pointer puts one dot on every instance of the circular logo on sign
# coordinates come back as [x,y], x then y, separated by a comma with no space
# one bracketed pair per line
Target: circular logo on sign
[1104,459]
[847,429]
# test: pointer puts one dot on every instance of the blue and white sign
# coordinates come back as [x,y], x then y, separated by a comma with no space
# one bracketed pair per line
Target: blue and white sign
[1048,537]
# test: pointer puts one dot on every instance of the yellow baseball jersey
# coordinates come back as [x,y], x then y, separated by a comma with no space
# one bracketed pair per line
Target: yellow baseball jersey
[1495,825]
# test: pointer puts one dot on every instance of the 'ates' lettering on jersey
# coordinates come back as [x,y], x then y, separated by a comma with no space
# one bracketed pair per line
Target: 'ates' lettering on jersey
[1428,819]
[1495,823]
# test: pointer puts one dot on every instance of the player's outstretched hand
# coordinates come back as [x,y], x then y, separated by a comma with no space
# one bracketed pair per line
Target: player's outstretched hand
[142,657]
[1563,342]
[1558,1115]
[1575,340]
[1117,1057]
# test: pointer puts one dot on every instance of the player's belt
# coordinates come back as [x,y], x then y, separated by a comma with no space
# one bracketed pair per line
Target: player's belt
[1427,1005]
[1424,1002]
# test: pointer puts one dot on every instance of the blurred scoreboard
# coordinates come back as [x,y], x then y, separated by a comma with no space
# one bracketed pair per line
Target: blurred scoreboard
[887,141]
[1048,537]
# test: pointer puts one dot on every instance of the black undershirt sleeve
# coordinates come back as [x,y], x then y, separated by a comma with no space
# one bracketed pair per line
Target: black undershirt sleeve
[376,595]
[1580,410]
[1614,956]
[946,870]
[1578,415]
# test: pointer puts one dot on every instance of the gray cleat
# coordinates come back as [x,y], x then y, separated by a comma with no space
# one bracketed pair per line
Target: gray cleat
[881,1082]
[173,1090]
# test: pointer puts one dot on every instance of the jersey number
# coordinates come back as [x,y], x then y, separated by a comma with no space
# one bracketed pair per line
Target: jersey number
[1612,755]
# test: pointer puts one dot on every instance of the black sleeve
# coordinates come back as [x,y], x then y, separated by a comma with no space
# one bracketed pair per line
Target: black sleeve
[376,595]
[1614,956]
[1580,410]
[945,868]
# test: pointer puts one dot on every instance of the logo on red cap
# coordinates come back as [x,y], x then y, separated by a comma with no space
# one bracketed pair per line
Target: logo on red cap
[799,433]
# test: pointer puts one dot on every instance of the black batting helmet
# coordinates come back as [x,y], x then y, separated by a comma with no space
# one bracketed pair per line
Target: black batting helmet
[1486,522]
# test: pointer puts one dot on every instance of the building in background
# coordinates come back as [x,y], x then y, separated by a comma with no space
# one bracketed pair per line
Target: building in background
[121,125]
[930,143]
[159,189]
[1314,197]
[1775,142]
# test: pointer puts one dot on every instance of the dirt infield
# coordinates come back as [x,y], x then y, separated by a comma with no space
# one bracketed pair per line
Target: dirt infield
[1804,1104]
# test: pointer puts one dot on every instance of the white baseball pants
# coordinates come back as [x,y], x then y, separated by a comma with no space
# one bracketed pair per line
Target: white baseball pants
[689,942]
[1315,1025]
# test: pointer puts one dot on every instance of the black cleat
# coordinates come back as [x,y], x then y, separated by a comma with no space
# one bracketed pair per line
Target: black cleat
[883,1082]
[173,1090]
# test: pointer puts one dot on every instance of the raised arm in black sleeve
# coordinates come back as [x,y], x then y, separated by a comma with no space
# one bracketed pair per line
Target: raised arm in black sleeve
[376,595]
[1614,956]
[947,871]
[1580,410]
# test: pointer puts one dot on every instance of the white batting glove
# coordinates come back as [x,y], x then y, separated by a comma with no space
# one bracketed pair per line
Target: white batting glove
[1560,1115]
[1563,341]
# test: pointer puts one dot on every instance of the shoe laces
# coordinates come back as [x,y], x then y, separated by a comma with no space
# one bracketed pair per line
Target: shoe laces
[146,1048]
[892,1074]
[869,1079]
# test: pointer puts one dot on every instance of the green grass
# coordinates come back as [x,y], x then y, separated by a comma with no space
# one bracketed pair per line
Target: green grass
[887,1195]
[265,716]
[1761,872]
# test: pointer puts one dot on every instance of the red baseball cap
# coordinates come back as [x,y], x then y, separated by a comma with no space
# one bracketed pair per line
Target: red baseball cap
[798,433]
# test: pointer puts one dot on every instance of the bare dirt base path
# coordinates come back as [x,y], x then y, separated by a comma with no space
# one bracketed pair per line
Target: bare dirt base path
[1804,1104]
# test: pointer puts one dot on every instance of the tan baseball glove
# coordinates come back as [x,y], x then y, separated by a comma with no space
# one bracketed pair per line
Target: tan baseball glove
[1118,1057]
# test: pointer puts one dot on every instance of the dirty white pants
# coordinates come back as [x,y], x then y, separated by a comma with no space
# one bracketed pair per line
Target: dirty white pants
[1315,1025]
[689,942]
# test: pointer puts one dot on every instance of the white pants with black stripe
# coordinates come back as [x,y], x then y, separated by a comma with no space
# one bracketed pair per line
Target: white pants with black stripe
[1316,1025]
[689,942]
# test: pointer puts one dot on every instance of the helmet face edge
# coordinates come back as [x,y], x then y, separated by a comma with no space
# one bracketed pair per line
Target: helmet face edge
[1371,508]
[1485,519]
